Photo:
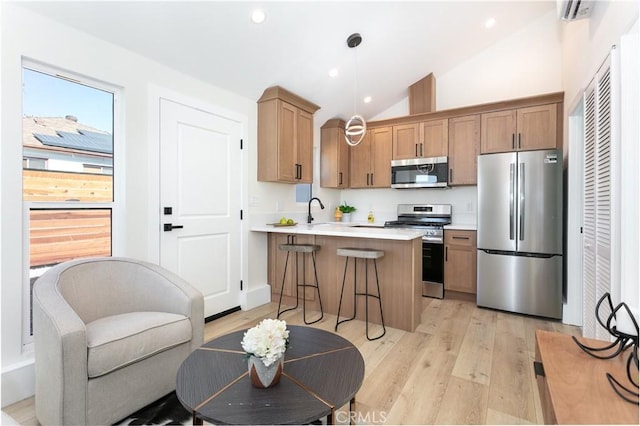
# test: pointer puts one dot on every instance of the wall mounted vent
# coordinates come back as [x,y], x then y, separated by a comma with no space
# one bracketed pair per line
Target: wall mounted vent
[571,10]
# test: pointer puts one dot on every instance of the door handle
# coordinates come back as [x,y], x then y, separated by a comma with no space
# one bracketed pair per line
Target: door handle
[522,200]
[171,227]
[340,178]
[446,254]
[511,200]
[371,179]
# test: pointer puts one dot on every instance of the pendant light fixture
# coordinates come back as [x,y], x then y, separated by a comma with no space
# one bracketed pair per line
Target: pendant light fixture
[356,127]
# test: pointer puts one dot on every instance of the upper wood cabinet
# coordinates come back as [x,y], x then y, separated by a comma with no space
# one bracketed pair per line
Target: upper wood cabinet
[521,129]
[464,147]
[334,155]
[370,161]
[285,137]
[423,139]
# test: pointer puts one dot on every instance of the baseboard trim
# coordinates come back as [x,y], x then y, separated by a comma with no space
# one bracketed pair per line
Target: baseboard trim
[18,382]
[255,297]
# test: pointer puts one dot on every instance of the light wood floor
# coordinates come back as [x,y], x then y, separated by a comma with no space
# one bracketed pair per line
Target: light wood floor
[463,365]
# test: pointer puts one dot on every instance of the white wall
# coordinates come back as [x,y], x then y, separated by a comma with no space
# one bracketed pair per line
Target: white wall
[525,64]
[25,34]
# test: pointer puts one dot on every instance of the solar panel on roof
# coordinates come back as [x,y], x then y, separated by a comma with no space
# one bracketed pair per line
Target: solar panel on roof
[86,141]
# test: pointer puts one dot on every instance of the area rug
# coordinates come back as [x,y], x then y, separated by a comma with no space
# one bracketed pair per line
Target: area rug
[165,411]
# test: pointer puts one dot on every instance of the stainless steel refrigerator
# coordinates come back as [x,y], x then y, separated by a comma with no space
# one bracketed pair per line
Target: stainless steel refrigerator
[520,232]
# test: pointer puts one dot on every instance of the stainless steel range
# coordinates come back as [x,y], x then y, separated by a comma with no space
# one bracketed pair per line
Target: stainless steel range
[430,218]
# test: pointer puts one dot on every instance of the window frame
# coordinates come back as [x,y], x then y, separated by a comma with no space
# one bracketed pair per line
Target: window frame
[118,174]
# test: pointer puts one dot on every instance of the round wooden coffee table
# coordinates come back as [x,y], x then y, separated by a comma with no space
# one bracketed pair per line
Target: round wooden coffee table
[322,372]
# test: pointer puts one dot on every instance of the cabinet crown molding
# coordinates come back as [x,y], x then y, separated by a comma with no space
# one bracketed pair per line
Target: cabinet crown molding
[548,98]
[332,123]
[277,92]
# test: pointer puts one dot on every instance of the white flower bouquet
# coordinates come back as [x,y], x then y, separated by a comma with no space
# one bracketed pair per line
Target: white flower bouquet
[268,340]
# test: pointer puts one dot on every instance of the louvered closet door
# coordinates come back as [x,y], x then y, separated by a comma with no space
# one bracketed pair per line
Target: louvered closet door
[597,200]
[603,190]
[589,214]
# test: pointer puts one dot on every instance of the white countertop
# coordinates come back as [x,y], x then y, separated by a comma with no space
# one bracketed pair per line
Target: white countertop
[338,229]
[461,227]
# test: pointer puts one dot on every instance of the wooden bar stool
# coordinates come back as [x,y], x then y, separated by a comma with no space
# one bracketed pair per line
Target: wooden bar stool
[366,254]
[298,249]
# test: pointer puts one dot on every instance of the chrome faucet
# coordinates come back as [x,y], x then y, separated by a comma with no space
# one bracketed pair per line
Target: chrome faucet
[309,217]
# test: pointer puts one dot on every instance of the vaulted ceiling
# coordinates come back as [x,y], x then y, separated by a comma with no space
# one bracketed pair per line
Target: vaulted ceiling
[300,41]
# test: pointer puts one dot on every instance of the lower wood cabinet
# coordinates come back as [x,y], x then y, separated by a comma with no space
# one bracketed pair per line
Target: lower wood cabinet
[399,273]
[277,259]
[460,260]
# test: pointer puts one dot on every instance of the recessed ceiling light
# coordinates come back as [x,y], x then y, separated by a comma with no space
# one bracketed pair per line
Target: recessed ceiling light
[489,23]
[367,99]
[258,16]
[333,72]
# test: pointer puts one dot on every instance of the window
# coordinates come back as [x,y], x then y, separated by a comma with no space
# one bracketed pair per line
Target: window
[34,163]
[68,170]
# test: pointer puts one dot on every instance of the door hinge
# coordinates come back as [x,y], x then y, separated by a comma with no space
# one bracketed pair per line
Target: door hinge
[241,285]
[240,143]
[240,214]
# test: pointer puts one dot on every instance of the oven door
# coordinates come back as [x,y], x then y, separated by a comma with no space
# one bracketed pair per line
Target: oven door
[433,269]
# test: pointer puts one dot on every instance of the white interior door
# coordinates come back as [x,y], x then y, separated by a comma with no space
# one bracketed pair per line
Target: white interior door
[200,175]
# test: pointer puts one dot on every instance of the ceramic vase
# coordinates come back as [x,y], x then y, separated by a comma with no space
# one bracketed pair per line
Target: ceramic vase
[346,217]
[263,376]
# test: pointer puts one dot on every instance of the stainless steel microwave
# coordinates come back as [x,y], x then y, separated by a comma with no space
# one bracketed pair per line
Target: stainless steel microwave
[420,173]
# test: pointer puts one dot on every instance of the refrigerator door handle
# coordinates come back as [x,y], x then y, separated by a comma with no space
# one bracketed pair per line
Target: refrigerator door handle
[511,200]
[522,200]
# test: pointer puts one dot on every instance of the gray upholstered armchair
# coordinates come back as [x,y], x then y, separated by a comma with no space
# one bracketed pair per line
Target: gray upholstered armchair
[110,334]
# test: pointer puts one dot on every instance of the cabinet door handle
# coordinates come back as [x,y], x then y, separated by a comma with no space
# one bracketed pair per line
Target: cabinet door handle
[416,149]
[367,179]
[513,141]
[420,150]
[450,175]
[519,140]
[455,237]
[446,253]
[371,179]
[340,178]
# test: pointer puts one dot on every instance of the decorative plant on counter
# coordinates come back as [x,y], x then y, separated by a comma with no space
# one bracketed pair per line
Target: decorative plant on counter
[345,208]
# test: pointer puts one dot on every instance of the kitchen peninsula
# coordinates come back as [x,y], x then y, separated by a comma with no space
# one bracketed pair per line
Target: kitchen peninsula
[399,271]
